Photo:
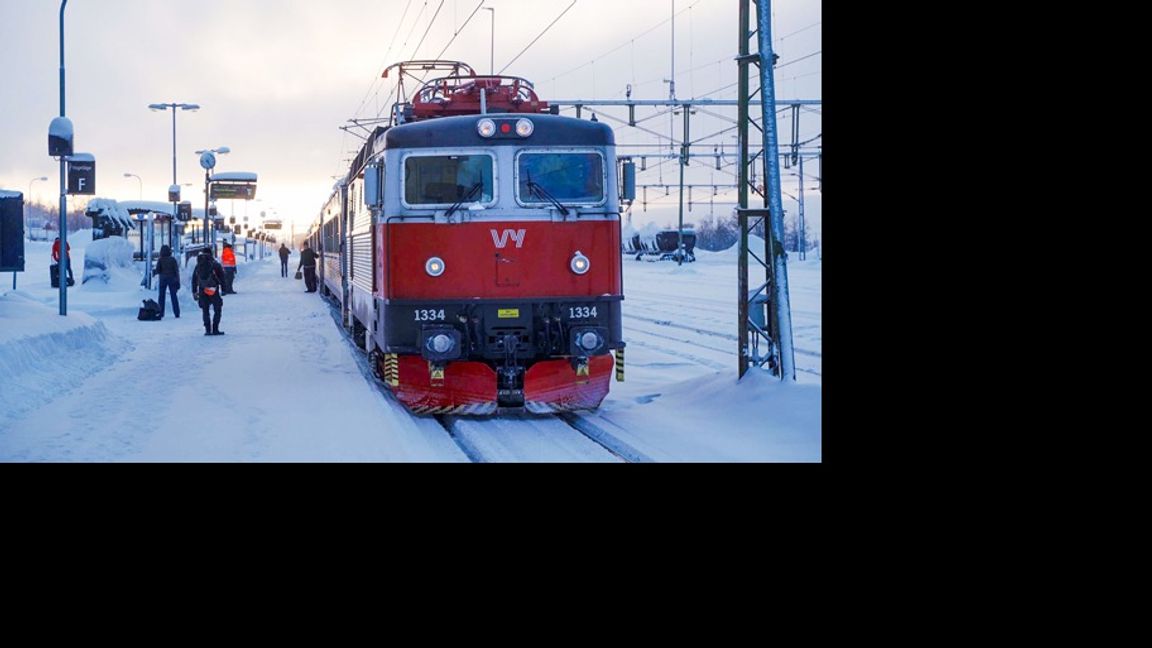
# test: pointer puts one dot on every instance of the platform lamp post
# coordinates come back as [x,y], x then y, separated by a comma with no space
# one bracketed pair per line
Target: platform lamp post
[208,162]
[174,190]
[492,47]
[28,198]
[141,192]
[30,182]
[40,179]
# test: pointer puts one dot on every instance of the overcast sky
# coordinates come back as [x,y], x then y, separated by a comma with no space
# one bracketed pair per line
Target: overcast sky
[276,78]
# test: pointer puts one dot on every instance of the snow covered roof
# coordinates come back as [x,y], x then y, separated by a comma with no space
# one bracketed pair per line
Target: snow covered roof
[61,127]
[112,209]
[138,206]
[10,194]
[234,176]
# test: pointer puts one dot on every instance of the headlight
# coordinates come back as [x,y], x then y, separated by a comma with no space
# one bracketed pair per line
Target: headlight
[440,343]
[434,267]
[524,127]
[486,127]
[589,341]
[580,263]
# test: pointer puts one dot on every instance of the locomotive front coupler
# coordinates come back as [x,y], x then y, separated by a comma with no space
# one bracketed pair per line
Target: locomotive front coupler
[510,387]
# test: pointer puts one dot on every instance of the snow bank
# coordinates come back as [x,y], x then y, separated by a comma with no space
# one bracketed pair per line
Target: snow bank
[107,258]
[716,418]
[755,243]
[43,355]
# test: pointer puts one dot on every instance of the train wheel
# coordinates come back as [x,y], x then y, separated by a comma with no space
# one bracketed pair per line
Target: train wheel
[377,361]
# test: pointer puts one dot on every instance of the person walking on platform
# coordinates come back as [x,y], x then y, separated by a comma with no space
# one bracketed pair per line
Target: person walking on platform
[308,262]
[207,284]
[284,260]
[168,270]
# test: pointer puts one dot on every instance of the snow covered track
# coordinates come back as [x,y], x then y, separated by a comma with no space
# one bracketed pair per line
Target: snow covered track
[527,438]
[605,439]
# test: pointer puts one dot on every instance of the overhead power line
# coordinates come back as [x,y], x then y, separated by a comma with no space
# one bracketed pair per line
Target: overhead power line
[799,59]
[391,44]
[430,23]
[468,20]
[802,29]
[626,43]
[538,37]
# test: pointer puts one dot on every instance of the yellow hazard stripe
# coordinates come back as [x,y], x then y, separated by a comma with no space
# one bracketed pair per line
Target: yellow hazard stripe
[392,369]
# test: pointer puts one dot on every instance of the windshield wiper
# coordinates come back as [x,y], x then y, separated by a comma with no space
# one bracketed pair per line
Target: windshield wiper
[467,196]
[543,193]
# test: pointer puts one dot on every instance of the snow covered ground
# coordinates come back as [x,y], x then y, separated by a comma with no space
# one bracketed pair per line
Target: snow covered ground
[284,384]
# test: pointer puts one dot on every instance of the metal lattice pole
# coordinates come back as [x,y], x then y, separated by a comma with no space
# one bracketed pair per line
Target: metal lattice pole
[742,163]
[781,313]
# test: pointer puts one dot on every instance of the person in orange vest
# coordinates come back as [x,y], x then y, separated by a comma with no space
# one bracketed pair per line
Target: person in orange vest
[228,260]
[68,260]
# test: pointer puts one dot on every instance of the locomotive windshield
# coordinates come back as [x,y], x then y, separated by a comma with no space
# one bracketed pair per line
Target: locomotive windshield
[446,179]
[570,177]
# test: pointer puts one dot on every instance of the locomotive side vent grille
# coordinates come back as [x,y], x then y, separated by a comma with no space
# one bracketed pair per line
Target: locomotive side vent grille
[362,261]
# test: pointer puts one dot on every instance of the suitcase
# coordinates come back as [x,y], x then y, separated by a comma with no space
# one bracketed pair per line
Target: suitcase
[54,276]
[150,312]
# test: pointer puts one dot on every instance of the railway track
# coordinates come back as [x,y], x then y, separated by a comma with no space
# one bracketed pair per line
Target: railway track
[559,438]
[718,364]
[521,438]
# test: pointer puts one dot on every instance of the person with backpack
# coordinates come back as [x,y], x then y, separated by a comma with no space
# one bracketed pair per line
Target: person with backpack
[228,257]
[207,286]
[168,270]
[284,260]
[308,263]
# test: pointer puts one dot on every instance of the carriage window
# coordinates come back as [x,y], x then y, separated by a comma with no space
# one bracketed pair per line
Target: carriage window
[569,177]
[446,179]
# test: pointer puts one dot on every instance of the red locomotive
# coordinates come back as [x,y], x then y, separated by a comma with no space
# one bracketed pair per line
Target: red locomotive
[474,248]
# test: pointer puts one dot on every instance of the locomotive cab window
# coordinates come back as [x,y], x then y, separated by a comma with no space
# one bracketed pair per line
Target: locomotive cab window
[448,179]
[570,178]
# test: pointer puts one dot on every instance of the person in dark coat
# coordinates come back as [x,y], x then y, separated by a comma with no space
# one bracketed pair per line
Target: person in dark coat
[308,262]
[168,270]
[207,286]
[284,260]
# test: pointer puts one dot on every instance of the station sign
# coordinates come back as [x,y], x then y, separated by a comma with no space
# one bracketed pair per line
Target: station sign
[82,175]
[233,191]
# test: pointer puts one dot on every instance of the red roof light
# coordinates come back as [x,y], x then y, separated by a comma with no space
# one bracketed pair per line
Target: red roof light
[505,128]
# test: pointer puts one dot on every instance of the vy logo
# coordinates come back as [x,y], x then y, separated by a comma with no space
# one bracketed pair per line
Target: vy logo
[500,240]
